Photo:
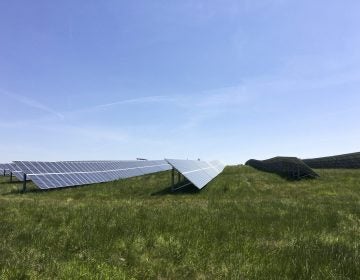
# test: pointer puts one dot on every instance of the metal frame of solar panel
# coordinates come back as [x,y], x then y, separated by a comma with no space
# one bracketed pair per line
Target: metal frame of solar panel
[49,175]
[199,173]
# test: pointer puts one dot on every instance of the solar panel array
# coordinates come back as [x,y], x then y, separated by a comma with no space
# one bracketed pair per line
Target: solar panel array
[291,168]
[2,169]
[7,168]
[14,169]
[341,161]
[199,173]
[49,175]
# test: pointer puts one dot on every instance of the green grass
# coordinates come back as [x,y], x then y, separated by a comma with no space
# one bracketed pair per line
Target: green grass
[245,225]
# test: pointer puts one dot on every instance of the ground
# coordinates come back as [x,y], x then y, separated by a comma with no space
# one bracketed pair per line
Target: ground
[245,224]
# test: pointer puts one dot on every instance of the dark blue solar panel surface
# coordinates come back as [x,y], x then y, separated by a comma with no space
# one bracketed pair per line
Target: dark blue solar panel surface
[4,169]
[11,168]
[47,175]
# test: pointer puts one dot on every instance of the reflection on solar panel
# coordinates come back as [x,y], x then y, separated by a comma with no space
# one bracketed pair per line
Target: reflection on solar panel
[199,173]
[48,175]
[218,165]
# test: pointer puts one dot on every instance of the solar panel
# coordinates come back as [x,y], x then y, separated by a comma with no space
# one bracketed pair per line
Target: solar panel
[5,166]
[19,175]
[11,168]
[48,175]
[340,161]
[16,171]
[199,173]
[3,169]
[218,165]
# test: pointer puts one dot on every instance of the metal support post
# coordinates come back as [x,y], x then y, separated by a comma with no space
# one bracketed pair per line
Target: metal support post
[24,183]
[298,171]
[172,178]
[10,177]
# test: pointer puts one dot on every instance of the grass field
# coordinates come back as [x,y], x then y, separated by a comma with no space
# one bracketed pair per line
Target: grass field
[245,225]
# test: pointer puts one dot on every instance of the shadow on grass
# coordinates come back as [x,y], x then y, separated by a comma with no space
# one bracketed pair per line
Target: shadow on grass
[35,190]
[20,191]
[8,182]
[178,189]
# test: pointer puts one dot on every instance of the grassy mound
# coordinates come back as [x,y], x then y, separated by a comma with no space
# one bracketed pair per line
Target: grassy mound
[245,224]
[346,161]
[288,167]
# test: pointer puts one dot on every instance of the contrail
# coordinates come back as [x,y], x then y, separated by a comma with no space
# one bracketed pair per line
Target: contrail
[32,103]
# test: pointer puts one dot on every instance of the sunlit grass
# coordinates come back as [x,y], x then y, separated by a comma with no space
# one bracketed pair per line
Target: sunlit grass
[245,225]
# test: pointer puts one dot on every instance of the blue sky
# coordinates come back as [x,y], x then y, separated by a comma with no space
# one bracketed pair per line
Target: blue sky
[228,80]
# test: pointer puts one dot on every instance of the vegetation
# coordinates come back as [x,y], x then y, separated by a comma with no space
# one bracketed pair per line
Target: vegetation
[246,224]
